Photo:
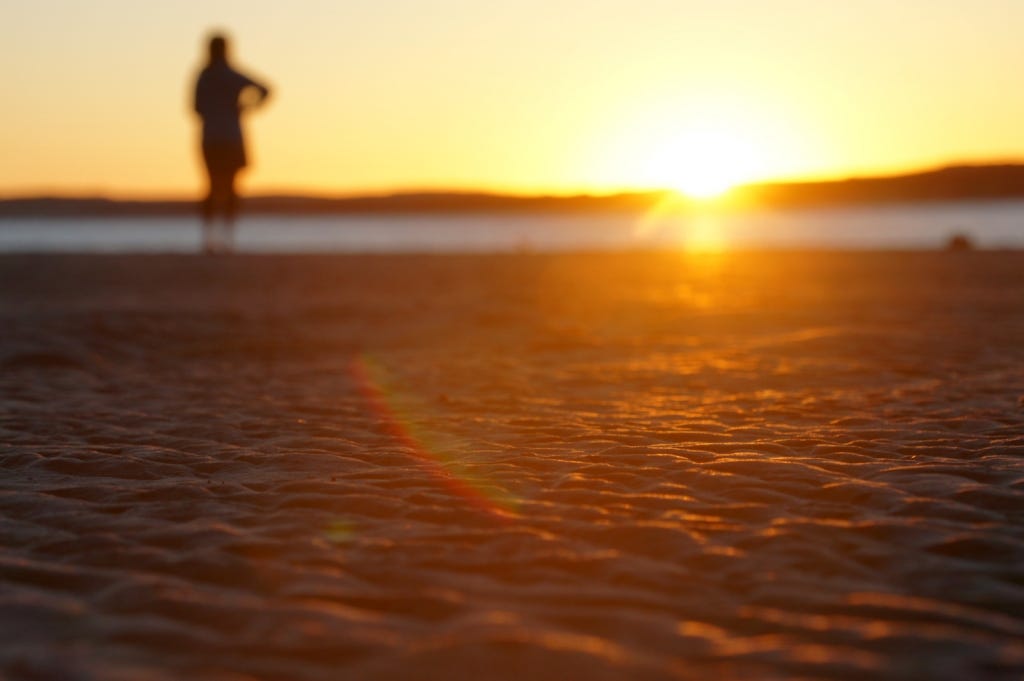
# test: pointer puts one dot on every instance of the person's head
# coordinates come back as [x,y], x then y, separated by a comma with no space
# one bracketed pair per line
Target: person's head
[218,49]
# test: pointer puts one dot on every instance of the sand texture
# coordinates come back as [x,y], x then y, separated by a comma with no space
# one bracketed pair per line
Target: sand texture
[638,466]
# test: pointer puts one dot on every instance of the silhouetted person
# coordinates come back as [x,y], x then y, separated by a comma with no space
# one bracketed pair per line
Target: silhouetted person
[219,103]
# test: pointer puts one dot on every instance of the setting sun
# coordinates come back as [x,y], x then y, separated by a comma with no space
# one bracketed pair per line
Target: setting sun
[703,163]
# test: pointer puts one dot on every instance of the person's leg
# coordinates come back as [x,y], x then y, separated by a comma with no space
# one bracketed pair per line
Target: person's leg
[230,209]
[207,209]
[222,206]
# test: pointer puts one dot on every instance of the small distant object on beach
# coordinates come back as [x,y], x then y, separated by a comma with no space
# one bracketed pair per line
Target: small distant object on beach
[960,242]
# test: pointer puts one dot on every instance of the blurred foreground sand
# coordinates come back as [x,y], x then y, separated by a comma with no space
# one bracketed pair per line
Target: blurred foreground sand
[545,467]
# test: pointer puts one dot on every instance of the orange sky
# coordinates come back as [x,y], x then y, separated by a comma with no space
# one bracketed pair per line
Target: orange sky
[553,95]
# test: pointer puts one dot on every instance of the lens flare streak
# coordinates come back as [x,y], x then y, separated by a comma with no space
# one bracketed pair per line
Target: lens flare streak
[396,412]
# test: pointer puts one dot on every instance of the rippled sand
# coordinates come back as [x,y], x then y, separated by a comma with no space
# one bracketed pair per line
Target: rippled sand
[512,467]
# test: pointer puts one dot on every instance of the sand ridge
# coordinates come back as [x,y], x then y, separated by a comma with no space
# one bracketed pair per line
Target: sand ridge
[777,465]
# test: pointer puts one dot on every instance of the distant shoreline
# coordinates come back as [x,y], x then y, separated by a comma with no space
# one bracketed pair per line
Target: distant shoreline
[953,183]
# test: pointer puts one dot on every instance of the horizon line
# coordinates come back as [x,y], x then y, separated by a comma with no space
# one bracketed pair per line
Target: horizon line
[469,191]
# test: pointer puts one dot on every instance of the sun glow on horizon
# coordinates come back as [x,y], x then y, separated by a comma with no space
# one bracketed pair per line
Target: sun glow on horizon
[701,142]
[704,163]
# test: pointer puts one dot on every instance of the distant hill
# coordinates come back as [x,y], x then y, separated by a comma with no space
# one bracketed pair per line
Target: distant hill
[954,183]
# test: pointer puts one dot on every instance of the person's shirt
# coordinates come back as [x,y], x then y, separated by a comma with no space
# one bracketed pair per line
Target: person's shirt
[216,101]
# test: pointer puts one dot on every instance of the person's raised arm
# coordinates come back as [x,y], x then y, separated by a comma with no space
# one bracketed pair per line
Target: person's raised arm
[262,92]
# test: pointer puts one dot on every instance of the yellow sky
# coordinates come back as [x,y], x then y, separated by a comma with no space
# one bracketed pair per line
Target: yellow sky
[532,95]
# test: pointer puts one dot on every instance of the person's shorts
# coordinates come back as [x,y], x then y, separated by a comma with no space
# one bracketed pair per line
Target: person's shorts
[223,157]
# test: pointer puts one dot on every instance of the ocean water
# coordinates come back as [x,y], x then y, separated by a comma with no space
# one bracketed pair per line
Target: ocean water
[994,224]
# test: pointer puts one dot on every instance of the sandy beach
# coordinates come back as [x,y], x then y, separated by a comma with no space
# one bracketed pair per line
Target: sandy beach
[617,466]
